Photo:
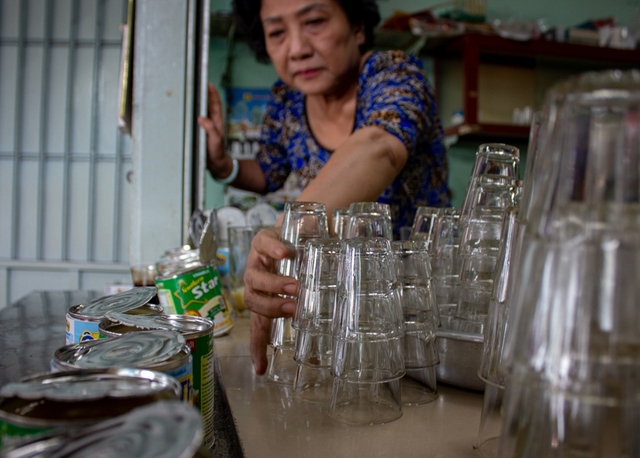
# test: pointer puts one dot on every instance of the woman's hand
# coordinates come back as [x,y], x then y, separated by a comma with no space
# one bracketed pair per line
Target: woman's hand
[218,161]
[266,292]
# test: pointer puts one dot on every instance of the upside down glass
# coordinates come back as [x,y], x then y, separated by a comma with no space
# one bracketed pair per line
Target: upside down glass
[369,219]
[571,352]
[313,320]
[424,225]
[301,221]
[367,361]
[421,320]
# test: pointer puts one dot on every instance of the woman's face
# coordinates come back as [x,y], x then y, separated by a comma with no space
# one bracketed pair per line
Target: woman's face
[312,45]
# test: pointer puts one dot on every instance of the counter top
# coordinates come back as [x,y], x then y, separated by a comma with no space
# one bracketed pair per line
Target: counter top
[272,423]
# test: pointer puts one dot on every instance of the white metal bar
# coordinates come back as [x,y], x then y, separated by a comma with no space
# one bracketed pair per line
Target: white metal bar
[97,52]
[42,143]
[4,287]
[66,191]
[187,169]
[17,133]
[117,197]
[203,60]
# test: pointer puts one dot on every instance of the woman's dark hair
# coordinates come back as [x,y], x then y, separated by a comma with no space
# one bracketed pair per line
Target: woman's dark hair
[359,12]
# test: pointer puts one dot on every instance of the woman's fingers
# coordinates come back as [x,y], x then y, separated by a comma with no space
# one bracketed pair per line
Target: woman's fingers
[260,334]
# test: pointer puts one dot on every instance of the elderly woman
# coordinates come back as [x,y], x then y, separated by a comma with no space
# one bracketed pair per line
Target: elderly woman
[352,125]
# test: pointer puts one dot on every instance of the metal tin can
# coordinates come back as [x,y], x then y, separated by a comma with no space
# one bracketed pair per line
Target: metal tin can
[162,351]
[198,332]
[48,402]
[190,288]
[165,428]
[83,319]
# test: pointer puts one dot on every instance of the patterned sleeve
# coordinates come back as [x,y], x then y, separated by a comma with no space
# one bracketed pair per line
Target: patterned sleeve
[398,98]
[272,156]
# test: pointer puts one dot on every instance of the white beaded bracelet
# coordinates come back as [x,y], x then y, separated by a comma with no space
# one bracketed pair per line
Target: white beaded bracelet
[232,176]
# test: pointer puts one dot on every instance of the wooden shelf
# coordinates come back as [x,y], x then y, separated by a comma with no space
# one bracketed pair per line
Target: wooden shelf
[474,49]
[510,131]
[495,45]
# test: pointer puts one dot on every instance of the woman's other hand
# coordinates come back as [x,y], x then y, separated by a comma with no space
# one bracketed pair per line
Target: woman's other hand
[266,292]
[218,161]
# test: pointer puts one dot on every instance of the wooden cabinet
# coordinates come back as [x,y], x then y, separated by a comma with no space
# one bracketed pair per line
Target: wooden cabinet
[488,77]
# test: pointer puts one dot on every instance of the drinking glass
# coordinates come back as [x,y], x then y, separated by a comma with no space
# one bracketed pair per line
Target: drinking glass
[480,243]
[369,219]
[494,161]
[313,320]
[240,238]
[424,224]
[340,222]
[490,368]
[445,260]
[368,327]
[421,319]
[301,221]
[574,325]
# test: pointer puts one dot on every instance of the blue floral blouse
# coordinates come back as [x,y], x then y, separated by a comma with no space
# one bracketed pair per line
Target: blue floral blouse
[393,93]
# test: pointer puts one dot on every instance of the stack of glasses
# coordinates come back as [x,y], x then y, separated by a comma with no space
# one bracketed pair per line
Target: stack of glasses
[574,327]
[365,310]
[302,221]
[564,325]
[494,186]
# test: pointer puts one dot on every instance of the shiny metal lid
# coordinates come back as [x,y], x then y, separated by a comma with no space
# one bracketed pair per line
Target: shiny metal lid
[184,324]
[135,349]
[85,385]
[161,430]
[121,302]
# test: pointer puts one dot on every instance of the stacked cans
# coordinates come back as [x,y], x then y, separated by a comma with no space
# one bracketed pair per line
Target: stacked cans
[122,352]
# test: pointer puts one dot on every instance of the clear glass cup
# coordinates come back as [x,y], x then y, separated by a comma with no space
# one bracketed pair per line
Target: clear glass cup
[446,260]
[424,225]
[492,416]
[368,324]
[313,320]
[301,221]
[318,283]
[369,219]
[419,308]
[340,222]
[480,243]
[574,323]
[357,403]
[240,238]
[367,361]
[494,161]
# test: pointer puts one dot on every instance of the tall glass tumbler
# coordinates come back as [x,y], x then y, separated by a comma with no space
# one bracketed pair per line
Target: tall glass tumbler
[301,221]
[571,353]
[421,320]
[480,243]
[490,369]
[240,238]
[313,320]
[446,260]
[368,327]
[369,219]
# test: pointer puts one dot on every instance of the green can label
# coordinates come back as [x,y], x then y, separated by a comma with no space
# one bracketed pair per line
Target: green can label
[12,434]
[197,293]
[202,353]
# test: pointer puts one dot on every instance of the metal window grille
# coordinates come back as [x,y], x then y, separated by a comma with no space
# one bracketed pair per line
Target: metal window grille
[64,203]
